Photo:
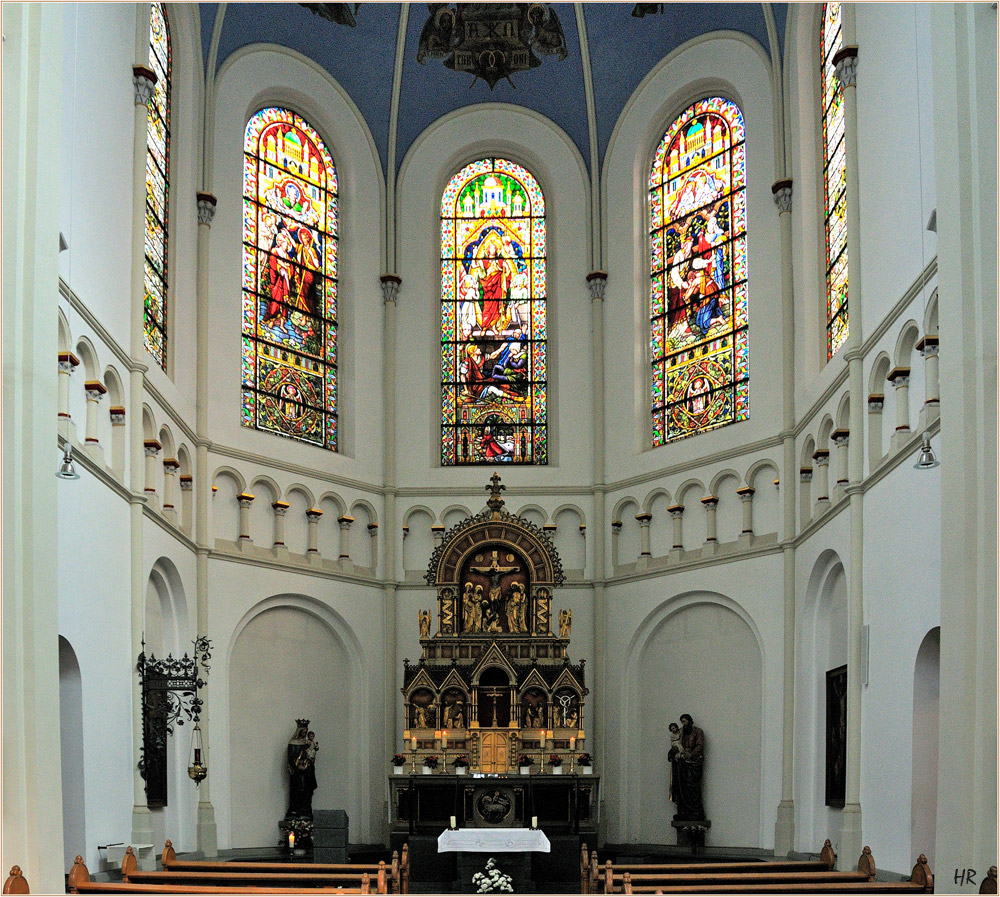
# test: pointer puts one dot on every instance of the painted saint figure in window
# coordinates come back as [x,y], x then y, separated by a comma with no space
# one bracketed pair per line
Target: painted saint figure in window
[834,182]
[289,280]
[157,189]
[698,294]
[493,316]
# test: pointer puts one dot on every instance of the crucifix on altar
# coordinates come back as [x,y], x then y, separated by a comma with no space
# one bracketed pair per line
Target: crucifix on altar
[493,693]
[495,605]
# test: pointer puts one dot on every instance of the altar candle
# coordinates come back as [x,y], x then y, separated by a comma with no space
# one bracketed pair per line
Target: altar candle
[534,822]
[572,742]
[453,822]
[444,738]
[413,741]
[291,840]
[543,737]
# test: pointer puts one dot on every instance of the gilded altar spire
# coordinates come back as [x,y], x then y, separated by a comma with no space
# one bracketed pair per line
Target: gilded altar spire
[495,502]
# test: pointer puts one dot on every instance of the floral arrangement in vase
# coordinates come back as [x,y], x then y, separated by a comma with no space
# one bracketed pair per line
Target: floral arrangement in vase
[431,762]
[555,760]
[585,759]
[524,760]
[461,760]
[398,760]
[492,880]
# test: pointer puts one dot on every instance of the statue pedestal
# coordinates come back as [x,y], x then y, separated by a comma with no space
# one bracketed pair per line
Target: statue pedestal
[691,833]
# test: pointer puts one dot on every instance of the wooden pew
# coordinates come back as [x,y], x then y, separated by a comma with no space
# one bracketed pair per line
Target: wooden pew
[392,874]
[771,882]
[80,883]
[16,882]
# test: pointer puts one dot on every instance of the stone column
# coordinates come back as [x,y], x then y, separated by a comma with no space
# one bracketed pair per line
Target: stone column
[151,448]
[677,513]
[746,499]
[616,530]
[245,499]
[187,488]
[280,508]
[840,439]
[644,519]
[437,532]
[821,460]
[805,479]
[345,521]
[170,468]
[117,415]
[95,390]
[845,61]
[373,535]
[876,402]
[313,515]
[900,380]
[784,827]
[931,411]
[710,503]
[206,202]
[68,363]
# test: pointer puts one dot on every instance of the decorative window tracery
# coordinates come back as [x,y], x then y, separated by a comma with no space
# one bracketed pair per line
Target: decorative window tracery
[834,182]
[698,264]
[157,189]
[290,232]
[493,329]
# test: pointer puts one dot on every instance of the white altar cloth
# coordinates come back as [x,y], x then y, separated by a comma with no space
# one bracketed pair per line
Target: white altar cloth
[493,840]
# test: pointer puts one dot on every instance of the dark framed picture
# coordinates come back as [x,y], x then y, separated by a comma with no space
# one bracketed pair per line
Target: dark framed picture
[836,736]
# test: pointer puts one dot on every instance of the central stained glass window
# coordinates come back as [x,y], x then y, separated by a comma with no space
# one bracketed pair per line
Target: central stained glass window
[698,262]
[289,280]
[493,316]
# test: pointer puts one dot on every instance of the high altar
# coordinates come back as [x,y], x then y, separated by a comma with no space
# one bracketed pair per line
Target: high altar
[495,685]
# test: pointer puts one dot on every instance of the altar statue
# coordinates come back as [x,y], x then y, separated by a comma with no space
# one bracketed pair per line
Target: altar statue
[301,765]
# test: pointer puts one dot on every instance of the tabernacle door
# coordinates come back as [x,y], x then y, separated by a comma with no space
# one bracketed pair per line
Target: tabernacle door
[494,749]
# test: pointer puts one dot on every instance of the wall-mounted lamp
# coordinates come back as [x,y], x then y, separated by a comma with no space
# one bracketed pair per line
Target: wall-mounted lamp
[67,470]
[927,458]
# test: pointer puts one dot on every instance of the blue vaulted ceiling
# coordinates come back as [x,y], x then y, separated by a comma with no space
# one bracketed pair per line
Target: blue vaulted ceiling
[623,49]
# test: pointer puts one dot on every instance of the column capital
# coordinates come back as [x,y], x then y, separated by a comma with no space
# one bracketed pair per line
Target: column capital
[845,61]
[280,507]
[928,345]
[875,401]
[373,529]
[805,474]
[314,514]
[152,447]
[840,437]
[745,492]
[117,413]
[711,502]
[345,521]
[782,192]
[821,457]
[899,377]
[171,464]
[143,80]
[206,208]
[675,510]
[187,482]
[644,518]
[245,498]
[68,362]
[95,389]
[390,287]
[616,526]
[596,282]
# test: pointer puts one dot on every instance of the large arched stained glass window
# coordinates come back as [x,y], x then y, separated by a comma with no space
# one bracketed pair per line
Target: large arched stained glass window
[289,280]
[493,316]
[157,187]
[834,183]
[698,253]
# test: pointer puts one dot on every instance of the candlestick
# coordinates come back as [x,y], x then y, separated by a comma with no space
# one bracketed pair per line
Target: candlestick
[572,742]
[444,738]
[534,822]
[453,825]
[291,840]
[413,742]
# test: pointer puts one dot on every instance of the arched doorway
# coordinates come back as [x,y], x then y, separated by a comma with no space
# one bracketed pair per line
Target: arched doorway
[926,717]
[494,718]
[71,749]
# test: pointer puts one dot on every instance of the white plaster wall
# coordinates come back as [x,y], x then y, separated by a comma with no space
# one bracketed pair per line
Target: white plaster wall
[249,80]
[634,609]
[440,152]
[94,615]
[238,592]
[738,69]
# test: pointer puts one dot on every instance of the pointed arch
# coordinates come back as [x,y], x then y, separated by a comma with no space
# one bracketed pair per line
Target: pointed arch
[493,319]
[157,188]
[834,181]
[290,236]
[698,264]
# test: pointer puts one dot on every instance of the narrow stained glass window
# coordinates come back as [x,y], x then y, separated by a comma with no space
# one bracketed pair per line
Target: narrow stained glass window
[698,256]
[289,280]
[834,183]
[157,189]
[493,316]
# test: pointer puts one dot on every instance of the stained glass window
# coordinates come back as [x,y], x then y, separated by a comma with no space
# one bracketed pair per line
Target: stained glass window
[289,280]
[157,187]
[698,255]
[834,184]
[493,316]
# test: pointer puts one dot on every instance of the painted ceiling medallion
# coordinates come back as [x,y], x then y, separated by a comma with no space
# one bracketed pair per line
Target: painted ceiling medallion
[491,40]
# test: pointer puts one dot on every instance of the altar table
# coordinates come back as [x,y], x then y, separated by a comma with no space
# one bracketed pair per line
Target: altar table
[493,840]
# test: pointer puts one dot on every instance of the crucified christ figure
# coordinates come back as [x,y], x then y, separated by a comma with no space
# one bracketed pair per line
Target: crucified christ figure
[495,606]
